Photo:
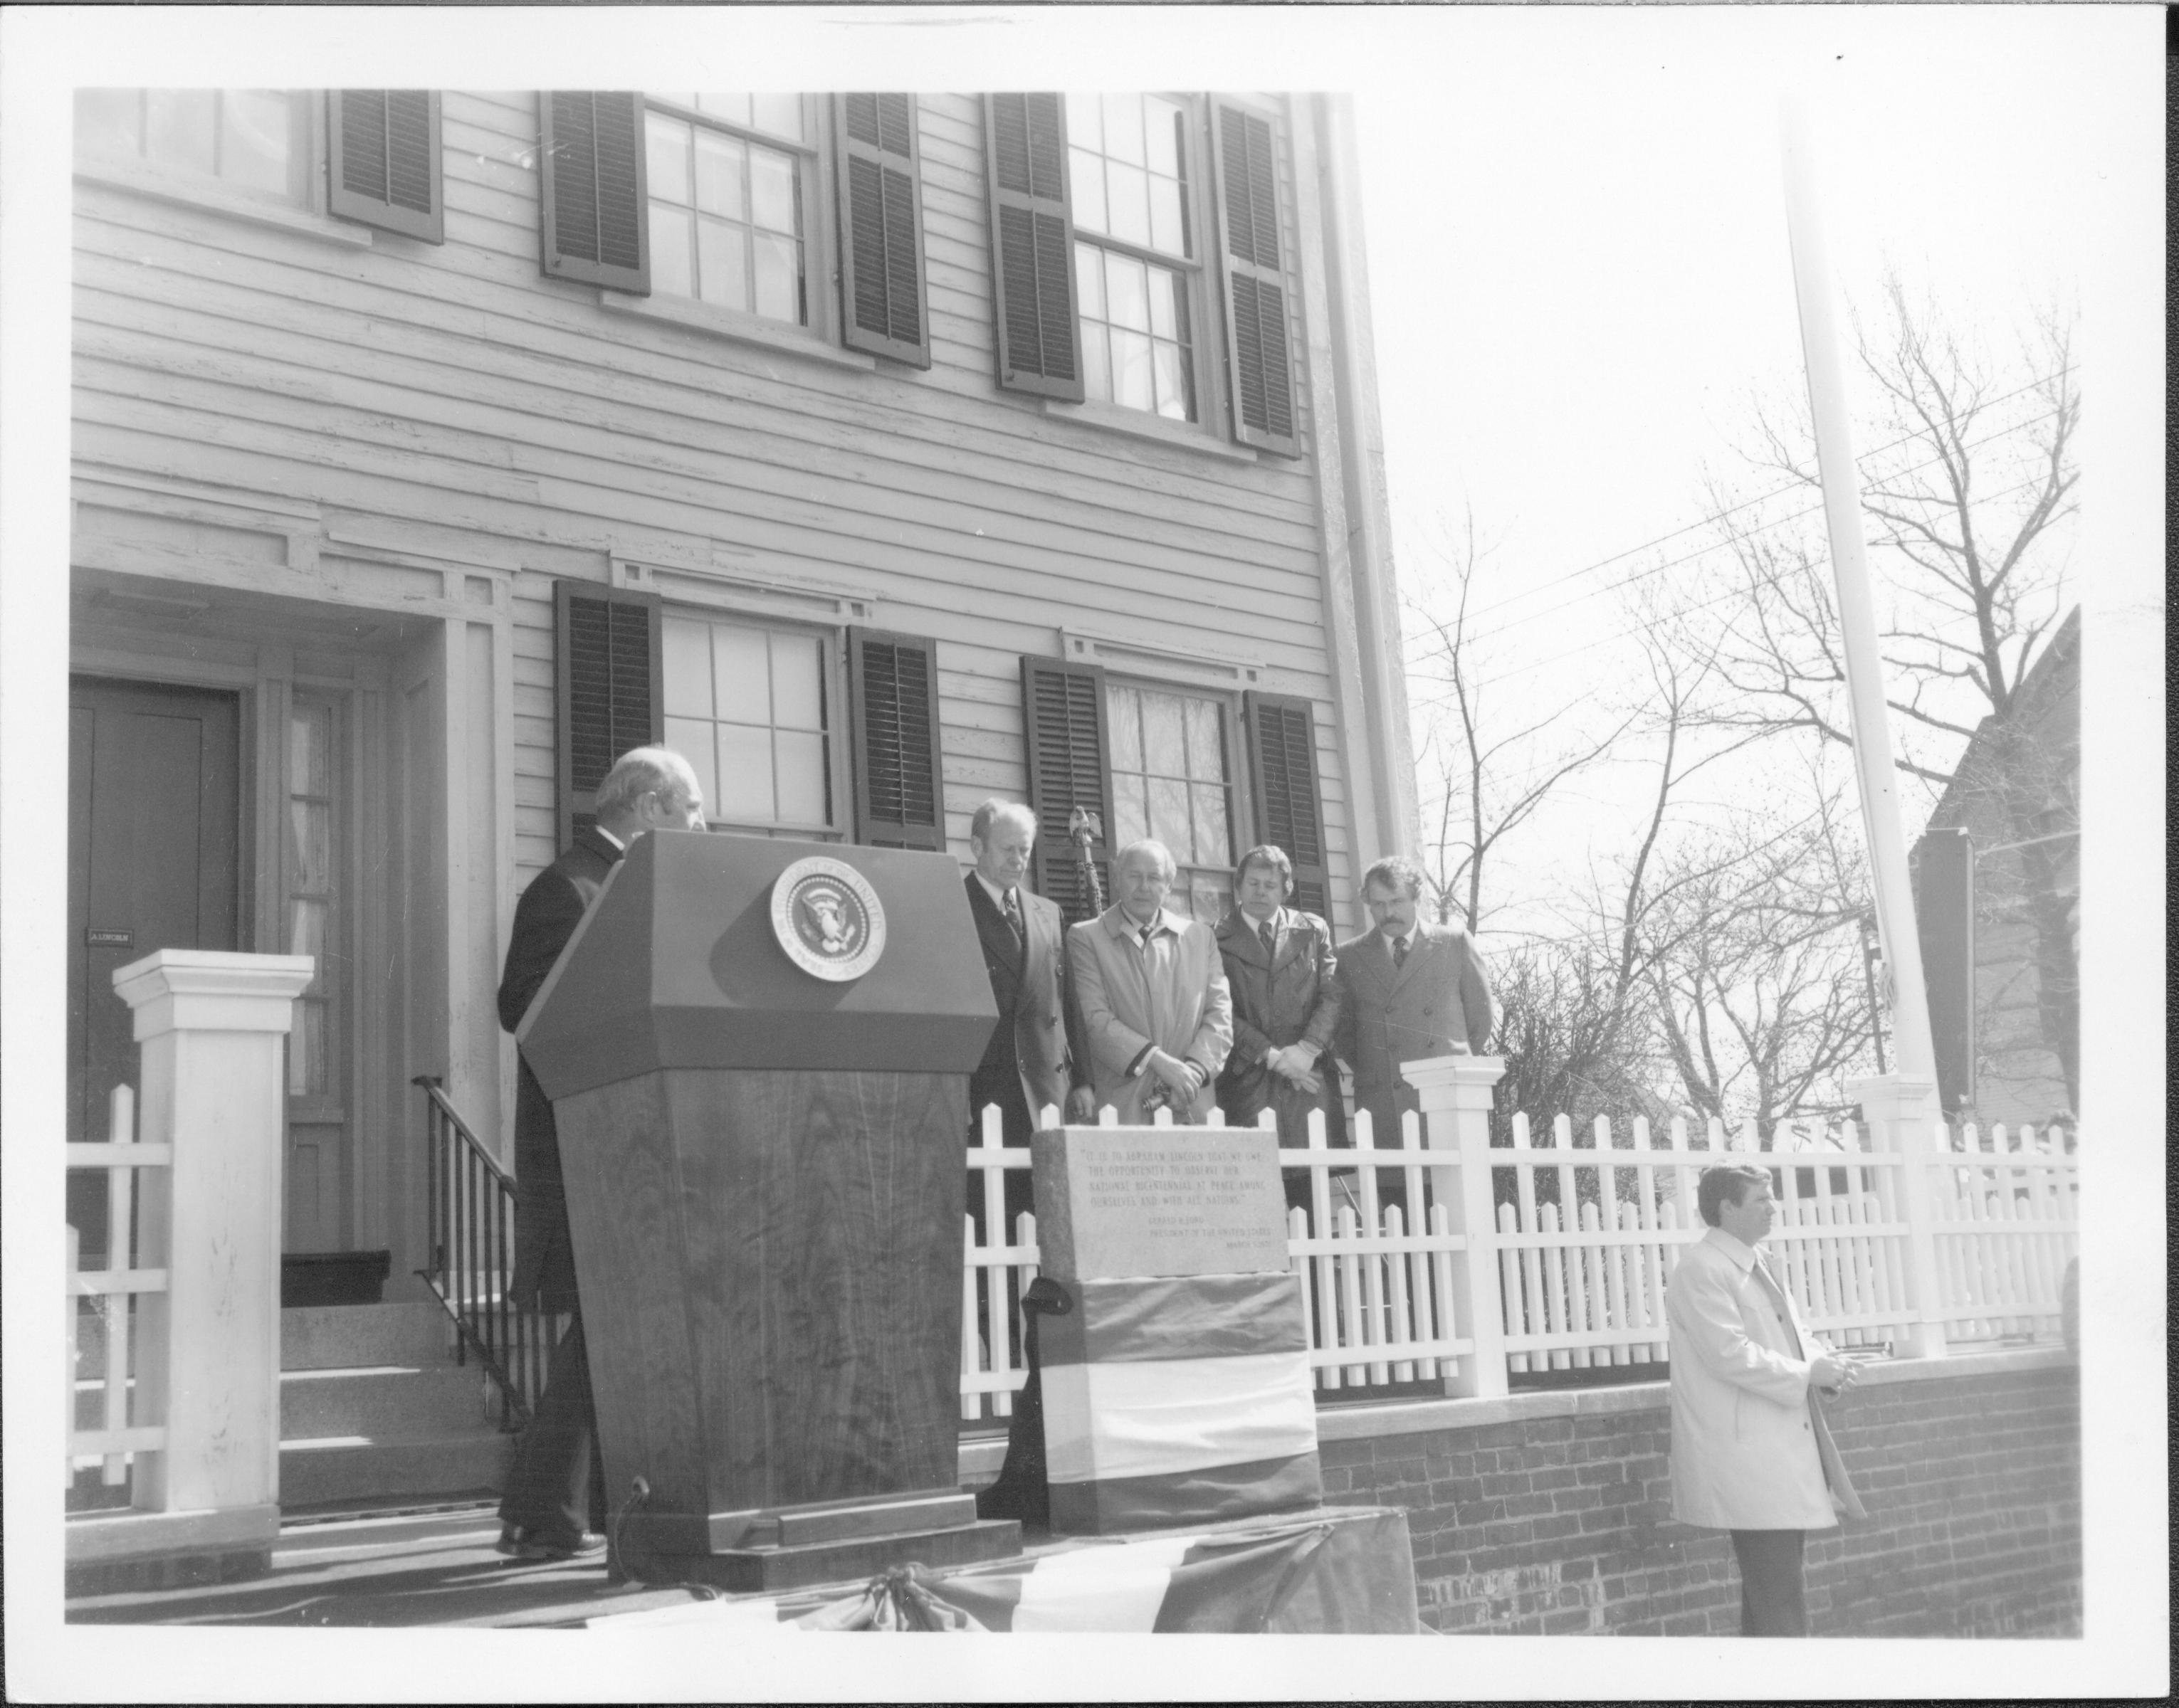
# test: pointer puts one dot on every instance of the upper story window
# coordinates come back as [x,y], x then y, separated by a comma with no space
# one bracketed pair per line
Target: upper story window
[749,706]
[1171,780]
[730,185]
[252,140]
[1134,263]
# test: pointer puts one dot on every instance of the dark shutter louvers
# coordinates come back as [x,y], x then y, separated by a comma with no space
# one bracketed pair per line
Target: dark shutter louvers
[1039,345]
[893,696]
[382,160]
[1258,376]
[1289,805]
[1063,718]
[880,170]
[593,189]
[606,688]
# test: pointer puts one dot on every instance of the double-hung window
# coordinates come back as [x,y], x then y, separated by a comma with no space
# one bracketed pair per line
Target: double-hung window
[731,186]
[1172,781]
[750,707]
[253,142]
[1136,273]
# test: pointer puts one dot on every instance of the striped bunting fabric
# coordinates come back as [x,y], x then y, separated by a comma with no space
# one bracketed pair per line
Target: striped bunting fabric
[1344,1571]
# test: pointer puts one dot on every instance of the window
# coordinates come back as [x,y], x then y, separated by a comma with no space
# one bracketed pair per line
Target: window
[1134,251]
[309,902]
[1171,780]
[749,707]
[254,141]
[730,191]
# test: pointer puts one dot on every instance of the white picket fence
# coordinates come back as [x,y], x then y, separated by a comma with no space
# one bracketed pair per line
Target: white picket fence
[112,1290]
[1585,1238]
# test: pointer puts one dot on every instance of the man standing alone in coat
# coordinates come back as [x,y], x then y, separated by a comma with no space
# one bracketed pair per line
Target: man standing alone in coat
[1751,1452]
[556,1491]
[1411,990]
[1024,1068]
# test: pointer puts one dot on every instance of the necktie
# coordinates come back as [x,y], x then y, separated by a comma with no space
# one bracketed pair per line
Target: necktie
[1269,932]
[1014,916]
[1778,1298]
[1399,951]
[1149,931]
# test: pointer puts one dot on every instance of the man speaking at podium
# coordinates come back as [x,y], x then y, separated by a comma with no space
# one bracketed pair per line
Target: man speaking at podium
[556,1492]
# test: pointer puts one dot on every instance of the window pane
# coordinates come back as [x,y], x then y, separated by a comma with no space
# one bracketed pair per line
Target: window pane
[310,740]
[670,260]
[1096,362]
[1165,745]
[780,114]
[310,824]
[722,263]
[1089,280]
[306,930]
[797,700]
[665,154]
[801,777]
[686,649]
[692,739]
[720,164]
[109,121]
[1169,817]
[1176,389]
[1213,835]
[306,1050]
[745,792]
[1130,820]
[1161,136]
[1127,204]
[1206,754]
[1088,174]
[772,190]
[179,124]
[741,668]
[1085,127]
[732,106]
[254,139]
[1165,289]
[1167,231]
[1123,719]
[1123,128]
[1126,289]
[779,278]
[1208,892]
[1132,388]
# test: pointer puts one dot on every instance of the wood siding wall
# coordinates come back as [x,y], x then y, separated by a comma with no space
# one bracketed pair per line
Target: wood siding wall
[452,399]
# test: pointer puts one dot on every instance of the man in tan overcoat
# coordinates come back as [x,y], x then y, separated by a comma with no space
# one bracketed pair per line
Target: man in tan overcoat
[1751,1452]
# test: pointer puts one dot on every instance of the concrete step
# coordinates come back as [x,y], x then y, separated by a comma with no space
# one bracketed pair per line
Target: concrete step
[348,1336]
[349,1468]
[378,1400]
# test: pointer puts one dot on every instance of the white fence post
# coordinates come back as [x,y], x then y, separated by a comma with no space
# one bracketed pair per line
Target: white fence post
[211,1026]
[1902,1115]
[1456,1093]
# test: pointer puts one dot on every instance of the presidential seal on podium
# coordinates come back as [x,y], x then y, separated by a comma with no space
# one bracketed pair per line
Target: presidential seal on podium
[827,918]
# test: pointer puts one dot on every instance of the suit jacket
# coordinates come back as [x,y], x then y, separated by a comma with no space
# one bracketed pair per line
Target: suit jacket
[1025,1065]
[545,919]
[1750,1448]
[1290,994]
[1173,994]
[1437,1003]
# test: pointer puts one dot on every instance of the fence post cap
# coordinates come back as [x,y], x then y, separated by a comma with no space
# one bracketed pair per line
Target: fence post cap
[213,990]
[1468,1078]
[1894,1096]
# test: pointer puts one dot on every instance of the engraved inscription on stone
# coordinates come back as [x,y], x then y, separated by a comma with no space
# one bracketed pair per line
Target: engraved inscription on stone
[1159,1201]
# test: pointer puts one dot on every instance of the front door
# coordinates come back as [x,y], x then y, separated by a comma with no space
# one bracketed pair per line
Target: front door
[154,824]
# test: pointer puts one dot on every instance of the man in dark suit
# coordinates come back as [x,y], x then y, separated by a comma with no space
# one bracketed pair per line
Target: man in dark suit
[1025,1066]
[1411,990]
[556,1495]
[1283,974]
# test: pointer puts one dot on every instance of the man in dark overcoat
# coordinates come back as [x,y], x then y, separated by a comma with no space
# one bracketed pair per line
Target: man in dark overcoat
[1026,1065]
[1282,970]
[1411,990]
[555,1498]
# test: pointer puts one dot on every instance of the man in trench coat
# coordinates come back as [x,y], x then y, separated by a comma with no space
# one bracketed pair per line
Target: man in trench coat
[1751,1452]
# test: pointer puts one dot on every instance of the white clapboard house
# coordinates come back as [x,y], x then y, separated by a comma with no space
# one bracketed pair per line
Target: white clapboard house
[879,452]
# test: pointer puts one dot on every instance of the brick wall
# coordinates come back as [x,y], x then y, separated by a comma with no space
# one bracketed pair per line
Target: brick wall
[1552,1512]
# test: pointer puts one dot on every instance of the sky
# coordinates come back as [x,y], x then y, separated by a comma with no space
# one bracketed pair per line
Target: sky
[1578,271]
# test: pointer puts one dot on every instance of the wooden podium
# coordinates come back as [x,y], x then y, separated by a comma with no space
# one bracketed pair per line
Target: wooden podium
[758,1052]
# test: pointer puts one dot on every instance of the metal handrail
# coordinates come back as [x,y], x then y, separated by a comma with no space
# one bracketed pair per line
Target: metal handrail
[472,1199]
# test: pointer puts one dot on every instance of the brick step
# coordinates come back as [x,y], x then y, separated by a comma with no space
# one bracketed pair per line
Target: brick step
[348,1336]
[386,1400]
[318,1470]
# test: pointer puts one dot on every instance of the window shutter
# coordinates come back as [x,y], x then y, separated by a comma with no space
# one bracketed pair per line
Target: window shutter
[606,688]
[880,163]
[1064,717]
[590,168]
[1040,342]
[1289,806]
[1259,379]
[893,700]
[382,160]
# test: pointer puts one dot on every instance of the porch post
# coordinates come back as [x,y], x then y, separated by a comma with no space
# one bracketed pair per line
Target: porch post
[210,1026]
[1456,1093]
[1901,1113]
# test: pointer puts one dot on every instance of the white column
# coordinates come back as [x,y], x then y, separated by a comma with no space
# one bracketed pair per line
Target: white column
[1456,1092]
[1902,1112]
[211,1026]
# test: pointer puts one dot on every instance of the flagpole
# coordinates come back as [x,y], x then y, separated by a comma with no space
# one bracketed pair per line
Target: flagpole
[1864,666]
